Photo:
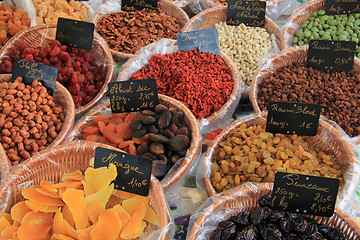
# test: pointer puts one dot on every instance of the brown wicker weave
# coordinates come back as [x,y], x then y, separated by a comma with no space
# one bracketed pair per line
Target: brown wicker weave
[52,164]
[41,35]
[166,6]
[4,163]
[190,121]
[328,139]
[297,18]
[247,197]
[62,96]
[282,59]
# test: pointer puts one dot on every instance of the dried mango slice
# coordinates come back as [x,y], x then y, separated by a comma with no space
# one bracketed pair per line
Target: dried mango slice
[136,224]
[68,215]
[60,226]
[35,225]
[84,234]
[48,186]
[88,189]
[75,199]
[7,216]
[18,211]
[132,235]
[75,185]
[46,192]
[125,195]
[113,200]
[150,215]
[123,215]
[8,232]
[61,237]
[4,223]
[35,207]
[100,178]
[102,195]
[32,194]
[76,176]
[95,208]
[132,205]
[108,226]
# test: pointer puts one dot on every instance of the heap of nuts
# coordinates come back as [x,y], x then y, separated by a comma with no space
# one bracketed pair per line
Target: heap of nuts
[127,32]
[337,92]
[30,119]
[250,154]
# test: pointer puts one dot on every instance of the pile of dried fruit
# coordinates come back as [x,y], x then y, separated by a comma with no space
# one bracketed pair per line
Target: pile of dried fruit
[263,223]
[127,32]
[161,135]
[30,119]
[78,70]
[48,11]
[12,21]
[250,154]
[79,207]
[200,80]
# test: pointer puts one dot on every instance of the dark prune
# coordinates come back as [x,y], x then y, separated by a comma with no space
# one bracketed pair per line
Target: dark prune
[149,155]
[313,236]
[147,119]
[169,134]
[248,233]
[148,112]
[175,158]
[266,213]
[276,216]
[153,129]
[216,234]
[183,131]
[312,227]
[243,218]
[160,107]
[139,133]
[136,125]
[225,224]
[292,236]
[179,143]
[142,148]
[156,148]
[157,138]
[164,119]
[159,168]
[286,225]
[265,201]
[271,232]
[233,219]
[178,117]
[300,226]
[229,233]
[256,215]
[331,233]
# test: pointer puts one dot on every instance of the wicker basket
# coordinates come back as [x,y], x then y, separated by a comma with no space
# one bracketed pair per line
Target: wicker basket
[62,96]
[5,164]
[328,139]
[190,121]
[296,20]
[286,58]
[247,197]
[166,6]
[52,164]
[41,35]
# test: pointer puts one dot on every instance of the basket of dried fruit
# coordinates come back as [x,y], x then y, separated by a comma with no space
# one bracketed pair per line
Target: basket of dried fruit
[240,212]
[84,73]
[286,78]
[31,119]
[137,29]
[169,135]
[4,163]
[58,194]
[244,152]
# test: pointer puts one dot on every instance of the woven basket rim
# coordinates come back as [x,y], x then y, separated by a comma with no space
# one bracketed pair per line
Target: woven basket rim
[122,55]
[98,40]
[248,190]
[191,152]
[5,164]
[210,190]
[37,160]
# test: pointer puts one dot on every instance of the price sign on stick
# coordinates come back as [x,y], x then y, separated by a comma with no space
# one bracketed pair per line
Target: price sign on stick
[336,7]
[138,5]
[206,40]
[250,13]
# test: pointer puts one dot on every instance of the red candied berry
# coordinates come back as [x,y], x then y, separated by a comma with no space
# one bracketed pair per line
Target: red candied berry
[75,50]
[22,46]
[101,69]
[72,90]
[63,48]
[54,44]
[55,51]
[54,59]
[70,72]
[16,52]
[82,52]
[47,51]
[93,92]
[46,62]
[77,104]
[99,85]
[84,70]
[76,65]
[77,87]
[88,57]
[88,99]
[72,55]
[36,52]
[74,78]
[82,94]
[26,51]
[80,59]
[64,70]
[42,54]
[38,59]
[89,88]
[64,56]
[60,78]
[32,51]
[29,57]
[89,76]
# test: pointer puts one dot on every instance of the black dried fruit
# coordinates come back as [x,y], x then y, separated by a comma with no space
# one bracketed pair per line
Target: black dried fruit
[147,119]
[183,131]
[229,233]
[243,218]
[267,213]
[149,155]
[331,233]
[140,133]
[152,137]
[153,129]
[156,148]
[216,234]
[225,224]
[179,143]
[162,157]
[271,232]
[136,125]
[265,201]
[173,128]
[312,225]
[286,225]
[313,236]
[256,215]
[292,236]
[148,112]
[300,226]
[169,134]
[276,216]
[164,119]
[160,107]
[248,233]
[159,168]
[178,117]
[142,148]
[175,158]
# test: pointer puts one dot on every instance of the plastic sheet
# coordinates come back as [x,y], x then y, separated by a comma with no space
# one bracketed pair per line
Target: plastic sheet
[42,35]
[218,119]
[328,139]
[53,163]
[243,198]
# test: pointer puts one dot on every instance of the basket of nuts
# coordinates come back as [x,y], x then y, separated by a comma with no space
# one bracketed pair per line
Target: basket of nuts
[169,135]
[137,29]
[84,73]
[246,55]
[244,152]
[286,78]
[310,22]
[32,120]
[241,211]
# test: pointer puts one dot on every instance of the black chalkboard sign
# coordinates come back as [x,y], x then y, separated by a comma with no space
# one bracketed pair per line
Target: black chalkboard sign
[31,71]
[331,55]
[305,194]
[133,172]
[138,5]
[75,33]
[206,40]
[336,7]
[133,96]
[293,118]
[250,13]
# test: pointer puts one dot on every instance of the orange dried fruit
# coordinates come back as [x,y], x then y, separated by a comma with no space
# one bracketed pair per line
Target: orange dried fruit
[150,216]
[95,208]
[110,128]
[75,185]
[130,118]
[35,207]
[136,225]
[48,193]
[7,216]
[60,226]
[32,194]
[84,234]
[88,190]
[48,186]
[35,225]
[108,226]
[131,205]
[100,118]
[61,237]
[113,137]
[66,212]
[102,195]
[100,178]
[124,130]
[116,120]
[91,129]
[123,215]
[4,223]
[18,211]
[101,126]
[75,199]
[76,176]
[8,232]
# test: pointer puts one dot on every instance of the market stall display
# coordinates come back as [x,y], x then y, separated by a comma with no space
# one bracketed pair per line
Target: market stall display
[84,73]
[54,165]
[138,29]
[171,138]
[5,164]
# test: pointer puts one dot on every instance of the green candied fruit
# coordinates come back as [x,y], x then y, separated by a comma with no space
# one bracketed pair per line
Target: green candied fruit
[320,27]
[321,33]
[331,22]
[326,37]
[314,29]
[357,15]
[326,26]
[312,37]
[342,37]
[295,40]
[307,33]
[316,35]
[333,28]
[325,17]
[357,22]
[350,24]
[321,12]
[301,43]
[311,19]
[333,33]
[358,55]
